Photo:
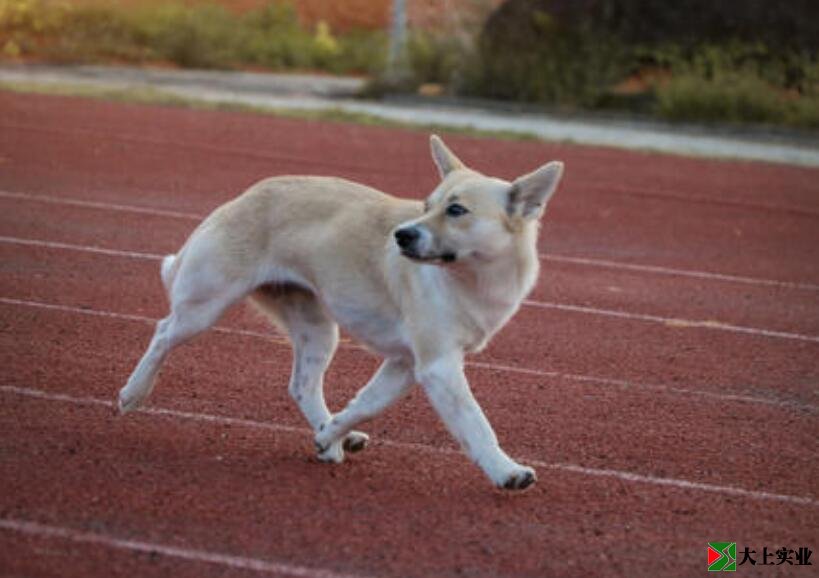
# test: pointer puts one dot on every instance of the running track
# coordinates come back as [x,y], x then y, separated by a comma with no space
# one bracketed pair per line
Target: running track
[662,378]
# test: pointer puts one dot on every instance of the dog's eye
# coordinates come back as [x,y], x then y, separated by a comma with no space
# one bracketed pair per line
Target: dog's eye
[456,210]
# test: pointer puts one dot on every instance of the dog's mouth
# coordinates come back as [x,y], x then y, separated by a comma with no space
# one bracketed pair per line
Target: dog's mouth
[445,257]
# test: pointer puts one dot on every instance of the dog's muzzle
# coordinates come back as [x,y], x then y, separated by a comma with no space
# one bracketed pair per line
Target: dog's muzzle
[408,239]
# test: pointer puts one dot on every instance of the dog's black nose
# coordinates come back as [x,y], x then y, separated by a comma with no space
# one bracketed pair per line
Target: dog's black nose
[406,237]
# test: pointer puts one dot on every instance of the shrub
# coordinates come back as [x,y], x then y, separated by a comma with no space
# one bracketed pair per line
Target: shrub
[199,36]
[737,60]
[31,16]
[203,36]
[545,51]
[433,57]
[729,97]
[739,82]
[787,25]
[804,112]
[361,51]
[24,23]
[273,38]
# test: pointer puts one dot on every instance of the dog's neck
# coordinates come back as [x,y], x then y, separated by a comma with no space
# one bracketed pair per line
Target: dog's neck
[497,286]
[506,278]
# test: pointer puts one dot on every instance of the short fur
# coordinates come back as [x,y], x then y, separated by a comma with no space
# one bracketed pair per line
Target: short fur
[316,253]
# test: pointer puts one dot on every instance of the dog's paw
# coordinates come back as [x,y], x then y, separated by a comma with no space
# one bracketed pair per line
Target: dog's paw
[127,401]
[328,450]
[355,441]
[331,454]
[520,479]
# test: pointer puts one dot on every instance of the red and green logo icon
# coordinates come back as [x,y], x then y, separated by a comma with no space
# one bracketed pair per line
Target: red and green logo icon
[722,556]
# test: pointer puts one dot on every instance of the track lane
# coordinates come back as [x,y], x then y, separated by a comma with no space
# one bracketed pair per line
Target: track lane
[622,428]
[617,172]
[536,338]
[80,550]
[635,351]
[586,220]
[175,471]
[571,523]
[582,222]
[782,309]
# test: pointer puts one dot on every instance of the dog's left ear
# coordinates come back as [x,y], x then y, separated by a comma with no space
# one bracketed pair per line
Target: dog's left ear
[444,158]
[530,193]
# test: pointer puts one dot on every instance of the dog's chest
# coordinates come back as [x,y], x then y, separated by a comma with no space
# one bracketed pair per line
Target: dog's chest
[485,322]
[374,327]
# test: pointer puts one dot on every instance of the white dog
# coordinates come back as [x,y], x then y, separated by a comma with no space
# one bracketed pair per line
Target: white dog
[421,284]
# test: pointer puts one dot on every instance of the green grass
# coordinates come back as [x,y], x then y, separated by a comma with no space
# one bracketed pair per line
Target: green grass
[739,83]
[199,36]
[153,96]
[734,98]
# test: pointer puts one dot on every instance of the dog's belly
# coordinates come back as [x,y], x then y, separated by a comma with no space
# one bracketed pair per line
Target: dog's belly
[382,333]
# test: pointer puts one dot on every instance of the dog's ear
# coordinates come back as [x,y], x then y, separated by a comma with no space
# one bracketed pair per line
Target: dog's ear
[530,193]
[443,157]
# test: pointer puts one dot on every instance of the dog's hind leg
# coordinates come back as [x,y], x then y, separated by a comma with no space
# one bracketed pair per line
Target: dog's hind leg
[199,296]
[314,337]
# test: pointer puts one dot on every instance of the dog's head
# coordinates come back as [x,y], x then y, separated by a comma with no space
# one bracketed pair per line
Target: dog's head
[470,216]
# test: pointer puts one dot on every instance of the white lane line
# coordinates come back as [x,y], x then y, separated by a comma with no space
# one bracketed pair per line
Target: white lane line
[667,194]
[344,343]
[101,205]
[81,248]
[597,186]
[706,275]
[566,467]
[682,484]
[190,554]
[626,384]
[270,337]
[280,340]
[673,321]
[269,156]
[667,321]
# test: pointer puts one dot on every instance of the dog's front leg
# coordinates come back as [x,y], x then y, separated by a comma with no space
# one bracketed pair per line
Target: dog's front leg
[446,386]
[391,382]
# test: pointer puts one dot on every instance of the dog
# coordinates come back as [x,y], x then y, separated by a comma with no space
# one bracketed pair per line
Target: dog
[419,283]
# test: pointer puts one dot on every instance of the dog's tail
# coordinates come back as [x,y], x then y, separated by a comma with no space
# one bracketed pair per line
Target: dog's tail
[168,271]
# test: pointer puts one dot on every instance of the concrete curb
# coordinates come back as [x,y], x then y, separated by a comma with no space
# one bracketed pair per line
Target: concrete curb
[317,92]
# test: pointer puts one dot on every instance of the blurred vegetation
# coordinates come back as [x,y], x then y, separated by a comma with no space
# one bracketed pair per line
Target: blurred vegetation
[700,60]
[694,60]
[739,82]
[199,36]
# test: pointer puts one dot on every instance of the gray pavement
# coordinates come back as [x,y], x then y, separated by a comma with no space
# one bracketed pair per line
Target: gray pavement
[320,92]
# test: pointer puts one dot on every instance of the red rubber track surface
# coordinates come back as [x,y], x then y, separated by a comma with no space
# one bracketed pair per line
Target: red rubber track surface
[670,411]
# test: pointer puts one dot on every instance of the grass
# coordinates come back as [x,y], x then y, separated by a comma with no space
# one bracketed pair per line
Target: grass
[203,35]
[740,83]
[734,98]
[571,67]
[153,96]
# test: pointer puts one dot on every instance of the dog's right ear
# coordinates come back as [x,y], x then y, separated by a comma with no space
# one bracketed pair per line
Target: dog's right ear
[444,158]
